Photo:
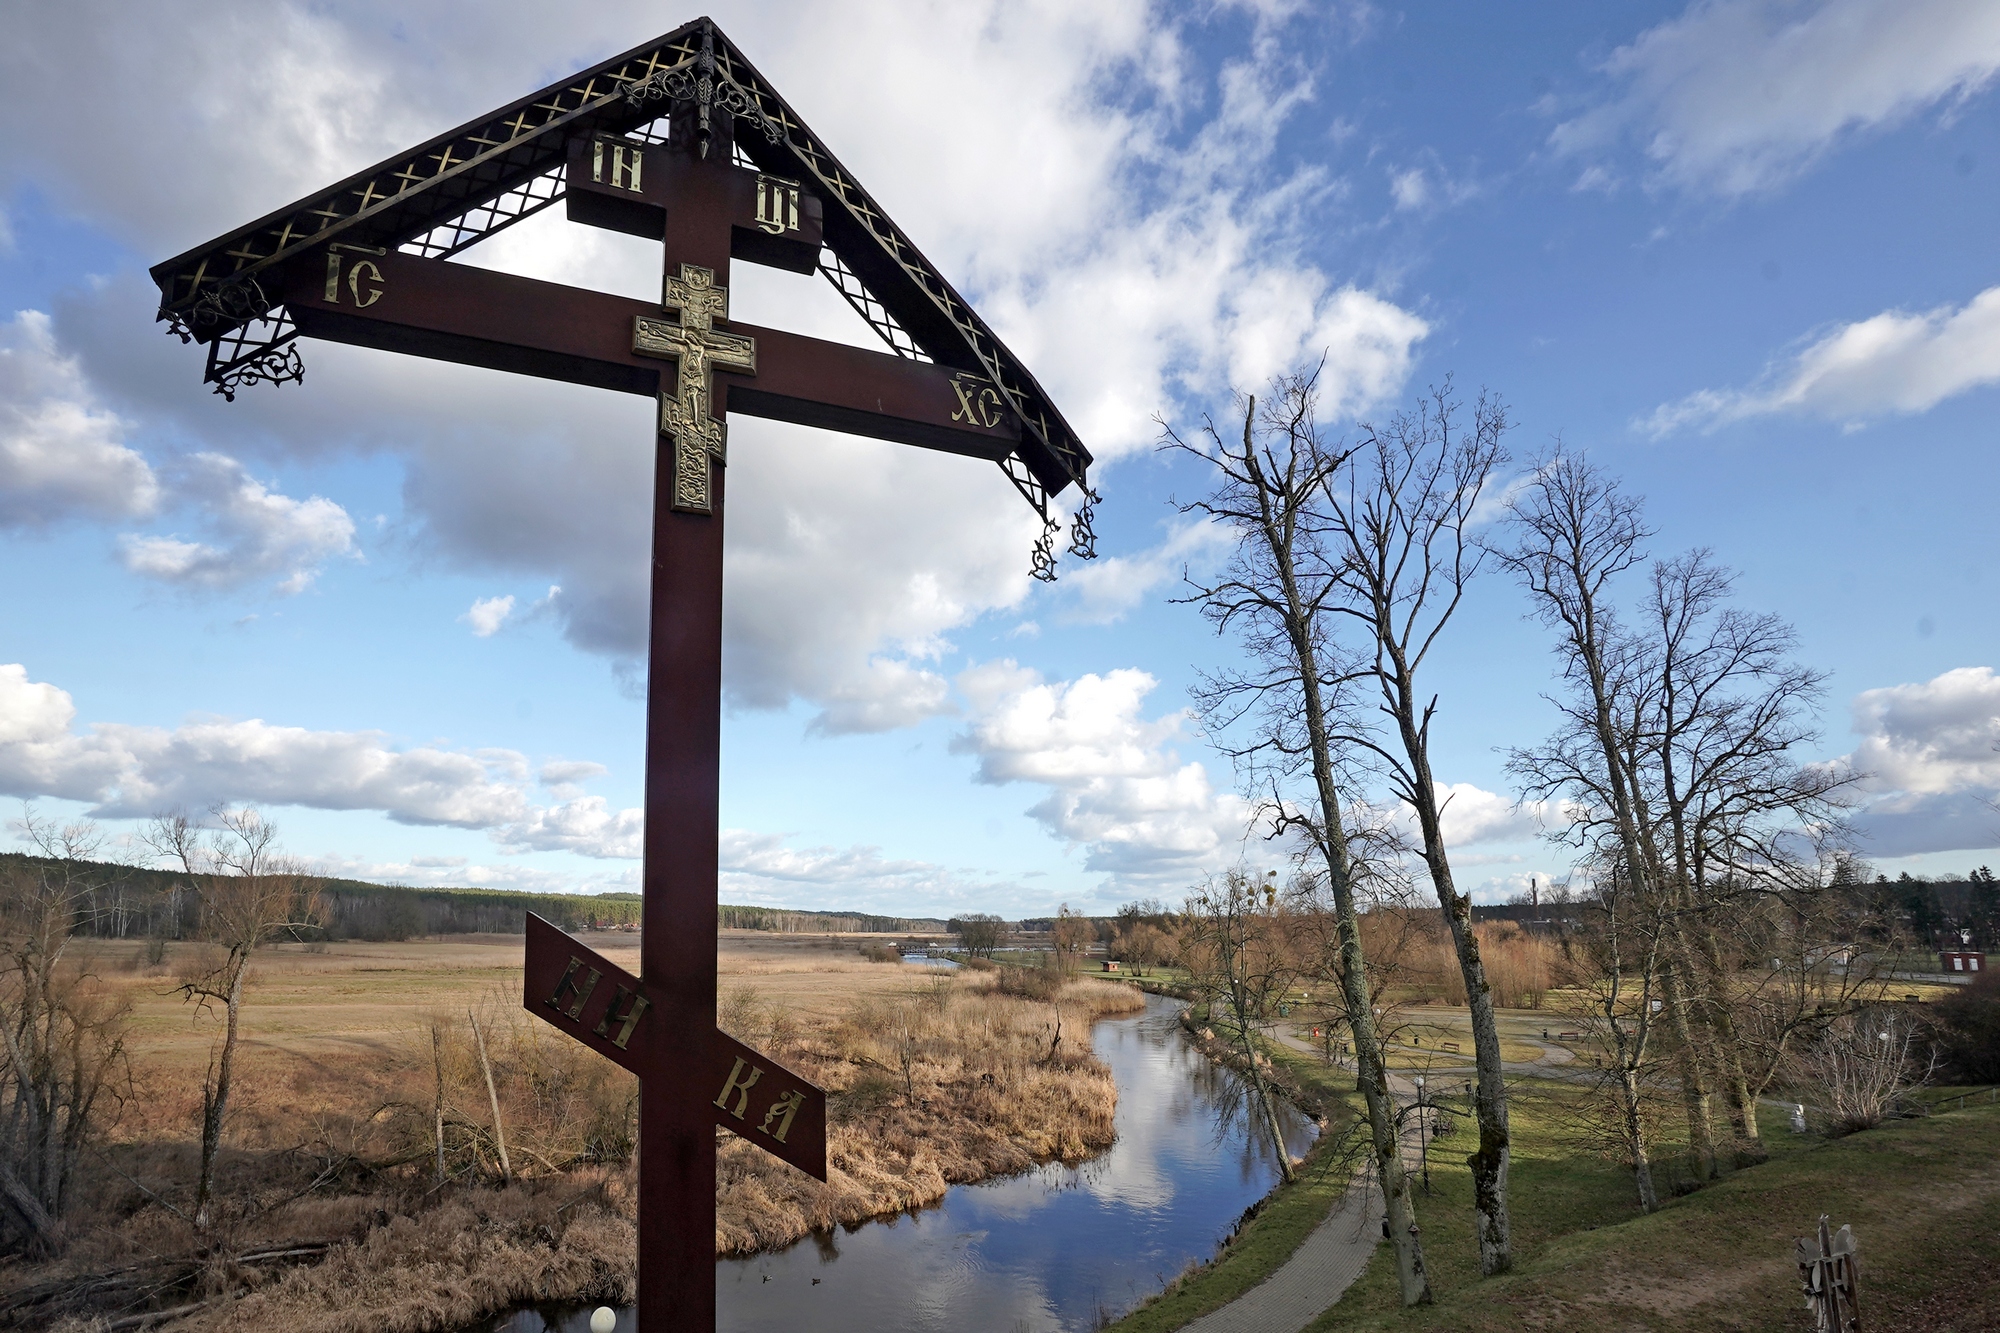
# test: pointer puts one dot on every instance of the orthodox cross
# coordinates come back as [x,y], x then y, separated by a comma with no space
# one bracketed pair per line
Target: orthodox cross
[648,144]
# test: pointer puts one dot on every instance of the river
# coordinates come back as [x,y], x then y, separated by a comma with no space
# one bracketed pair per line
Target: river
[1051,1250]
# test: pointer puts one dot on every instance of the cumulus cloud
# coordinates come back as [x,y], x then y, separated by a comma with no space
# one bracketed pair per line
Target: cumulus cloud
[1736,96]
[586,825]
[1475,816]
[1893,362]
[766,868]
[1149,249]
[1115,785]
[462,872]
[62,452]
[254,532]
[133,771]
[1930,759]
[1107,589]
[488,614]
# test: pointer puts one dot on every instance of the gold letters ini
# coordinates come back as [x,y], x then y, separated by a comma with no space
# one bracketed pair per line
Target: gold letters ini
[700,441]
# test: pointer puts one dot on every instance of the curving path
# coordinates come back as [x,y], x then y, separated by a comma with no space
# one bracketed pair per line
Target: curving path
[1332,1257]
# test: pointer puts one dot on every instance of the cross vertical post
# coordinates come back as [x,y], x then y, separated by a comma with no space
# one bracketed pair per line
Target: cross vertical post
[683,773]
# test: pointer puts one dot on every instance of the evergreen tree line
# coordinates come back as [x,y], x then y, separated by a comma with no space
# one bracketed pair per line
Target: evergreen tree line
[116,901]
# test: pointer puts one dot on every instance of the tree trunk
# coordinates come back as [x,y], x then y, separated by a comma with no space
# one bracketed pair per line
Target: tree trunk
[1490,1162]
[493,1098]
[215,1096]
[1635,1139]
[1262,1090]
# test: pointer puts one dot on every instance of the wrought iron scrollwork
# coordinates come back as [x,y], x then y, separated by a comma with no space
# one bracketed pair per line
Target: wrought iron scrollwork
[273,365]
[1042,560]
[700,82]
[231,303]
[1082,536]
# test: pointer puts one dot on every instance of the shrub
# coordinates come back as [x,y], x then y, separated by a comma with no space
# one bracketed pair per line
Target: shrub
[1965,1028]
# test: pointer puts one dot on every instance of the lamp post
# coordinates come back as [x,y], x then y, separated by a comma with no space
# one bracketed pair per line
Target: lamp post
[1423,1134]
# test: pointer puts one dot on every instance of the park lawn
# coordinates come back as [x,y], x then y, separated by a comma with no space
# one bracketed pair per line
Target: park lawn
[1923,1197]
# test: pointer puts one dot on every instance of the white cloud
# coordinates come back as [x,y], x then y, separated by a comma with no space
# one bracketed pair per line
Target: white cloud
[1149,249]
[564,772]
[586,825]
[764,868]
[1892,362]
[1930,756]
[1115,785]
[1106,589]
[134,771]
[256,532]
[461,872]
[888,695]
[1473,816]
[62,453]
[488,614]
[1736,96]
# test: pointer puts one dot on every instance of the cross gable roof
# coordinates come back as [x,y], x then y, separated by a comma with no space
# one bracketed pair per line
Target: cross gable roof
[462,186]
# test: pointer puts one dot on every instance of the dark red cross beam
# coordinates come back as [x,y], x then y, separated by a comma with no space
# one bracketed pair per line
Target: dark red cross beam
[616,1014]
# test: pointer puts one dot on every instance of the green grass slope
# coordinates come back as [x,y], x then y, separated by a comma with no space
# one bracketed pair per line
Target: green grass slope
[1923,1197]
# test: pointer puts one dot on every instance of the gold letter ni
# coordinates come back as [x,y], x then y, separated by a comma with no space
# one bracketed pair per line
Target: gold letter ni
[630,1018]
[739,1085]
[789,1104]
[568,983]
[624,167]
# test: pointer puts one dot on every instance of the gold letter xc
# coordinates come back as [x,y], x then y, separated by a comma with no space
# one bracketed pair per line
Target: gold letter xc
[978,404]
[739,1085]
[698,346]
[568,983]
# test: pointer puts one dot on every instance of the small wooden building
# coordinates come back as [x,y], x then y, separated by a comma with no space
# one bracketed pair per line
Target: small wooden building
[1110,965]
[1958,962]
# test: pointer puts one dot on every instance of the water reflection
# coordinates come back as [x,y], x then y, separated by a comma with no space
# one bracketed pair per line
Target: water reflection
[1053,1249]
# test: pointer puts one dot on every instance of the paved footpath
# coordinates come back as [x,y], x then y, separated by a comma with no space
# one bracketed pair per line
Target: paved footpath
[1322,1269]
[1329,1260]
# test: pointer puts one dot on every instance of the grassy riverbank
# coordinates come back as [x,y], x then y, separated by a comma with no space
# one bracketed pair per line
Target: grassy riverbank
[1922,1195]
[333,1220]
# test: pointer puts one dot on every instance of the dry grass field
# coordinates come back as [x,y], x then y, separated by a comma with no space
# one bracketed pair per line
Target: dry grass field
[350,1048]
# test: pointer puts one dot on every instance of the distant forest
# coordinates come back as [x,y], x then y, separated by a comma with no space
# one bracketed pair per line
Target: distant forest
[128,902]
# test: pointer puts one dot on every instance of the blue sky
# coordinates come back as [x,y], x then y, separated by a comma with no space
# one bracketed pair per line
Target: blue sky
[1740,252]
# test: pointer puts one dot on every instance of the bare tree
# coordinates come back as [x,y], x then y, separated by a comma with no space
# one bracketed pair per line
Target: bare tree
[1072,933]
[1233,942]
[978,933]
[1400,524]
[64,1030]
[249,894]
[1613,969]
[1575,533]
[1725,803]
[1276,595]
